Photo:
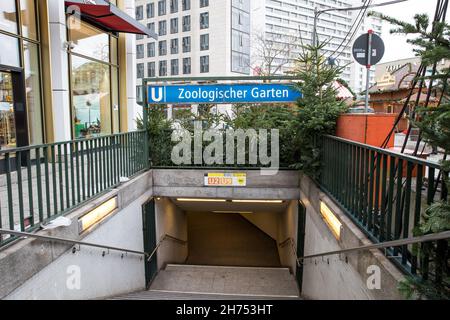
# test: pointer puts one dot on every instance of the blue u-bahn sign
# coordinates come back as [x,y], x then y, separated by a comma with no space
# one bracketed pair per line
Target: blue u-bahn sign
[222,94]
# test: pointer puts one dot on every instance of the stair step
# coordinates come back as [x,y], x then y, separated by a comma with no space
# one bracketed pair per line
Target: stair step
[273,282]
[171,295]
[186,267]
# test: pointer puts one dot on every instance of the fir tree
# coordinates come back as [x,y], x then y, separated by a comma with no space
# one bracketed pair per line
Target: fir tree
[318,109]
[432,45]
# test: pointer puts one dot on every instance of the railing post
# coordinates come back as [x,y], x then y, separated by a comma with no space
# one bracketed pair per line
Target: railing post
[146,149]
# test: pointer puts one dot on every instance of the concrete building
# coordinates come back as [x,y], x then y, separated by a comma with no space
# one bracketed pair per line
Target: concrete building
[196,39]
[65,73]
[290,22]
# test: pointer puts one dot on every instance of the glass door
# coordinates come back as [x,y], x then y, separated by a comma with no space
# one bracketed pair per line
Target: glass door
[7,116]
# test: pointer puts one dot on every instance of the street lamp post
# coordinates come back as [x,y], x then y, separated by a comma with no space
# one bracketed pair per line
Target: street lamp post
[314,35]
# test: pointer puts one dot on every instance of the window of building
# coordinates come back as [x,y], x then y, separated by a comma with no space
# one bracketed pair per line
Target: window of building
[139,12]
[186,23]
[186,4]
[8,13]
[174,67]
[21,124]
[163,48]
[140,51]
[151,50]
[204,20]
[204,42]
[31,71]
[10,56]
[8,137]
[140,70]
[151,69]
[186,44]
[91,91]
[174,25]
[174,46]
[204,3]
[162,28]
[139,94]
[139,36]
[204,64]
[163,68]
[162,7]
[150,10]
[173,6]
[186,65]
[151,26]
[95,80]
[89,37]
[28,16]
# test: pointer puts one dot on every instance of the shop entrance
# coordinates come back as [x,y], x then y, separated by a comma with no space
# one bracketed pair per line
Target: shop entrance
[13,119]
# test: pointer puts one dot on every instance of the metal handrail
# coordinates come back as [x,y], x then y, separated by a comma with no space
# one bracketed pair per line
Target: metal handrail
[402,156]
[61,143]
[293,248]
[66,175]
[388,244]
[70,241]
[161,241]
[95,245]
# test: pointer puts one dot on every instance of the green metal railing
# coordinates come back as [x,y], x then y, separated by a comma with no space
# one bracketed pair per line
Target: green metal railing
[385,193]
[38,183]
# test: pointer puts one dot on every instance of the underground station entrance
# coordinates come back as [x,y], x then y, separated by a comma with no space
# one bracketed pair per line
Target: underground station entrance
[233,234]
[225,246]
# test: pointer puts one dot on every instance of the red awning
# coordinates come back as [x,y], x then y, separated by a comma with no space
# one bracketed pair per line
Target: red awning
[109,17]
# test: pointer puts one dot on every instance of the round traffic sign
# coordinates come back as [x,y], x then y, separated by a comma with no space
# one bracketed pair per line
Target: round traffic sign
[361,47]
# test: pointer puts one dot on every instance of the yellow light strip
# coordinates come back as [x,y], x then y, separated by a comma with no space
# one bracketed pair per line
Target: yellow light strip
[200,200]
[257,201]
[94,216]
[331,220]
[240,212]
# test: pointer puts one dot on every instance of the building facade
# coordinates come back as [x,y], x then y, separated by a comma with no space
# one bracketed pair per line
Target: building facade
[64,74]
[290,23]
[196,38]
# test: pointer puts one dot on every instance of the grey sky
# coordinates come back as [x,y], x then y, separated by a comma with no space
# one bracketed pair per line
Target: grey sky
[396,45]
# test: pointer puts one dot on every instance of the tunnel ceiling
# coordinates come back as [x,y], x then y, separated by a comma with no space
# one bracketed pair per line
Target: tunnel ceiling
[230,206]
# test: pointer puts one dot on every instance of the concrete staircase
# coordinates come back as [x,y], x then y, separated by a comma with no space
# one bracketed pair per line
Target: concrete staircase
[186,282]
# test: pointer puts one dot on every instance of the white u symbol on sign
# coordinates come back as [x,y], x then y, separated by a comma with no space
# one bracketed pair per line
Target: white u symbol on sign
[160,95]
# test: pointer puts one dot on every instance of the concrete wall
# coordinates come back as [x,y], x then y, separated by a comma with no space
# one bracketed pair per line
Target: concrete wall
[32,269]
[190,183]
[287,228]
[344,277]
[265,221]
[172,221]
[99,276]
[339,279]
